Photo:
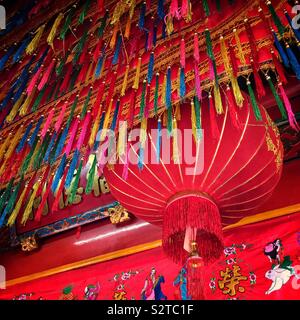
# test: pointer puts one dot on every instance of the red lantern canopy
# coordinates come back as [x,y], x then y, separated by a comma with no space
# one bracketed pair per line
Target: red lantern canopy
[231,176]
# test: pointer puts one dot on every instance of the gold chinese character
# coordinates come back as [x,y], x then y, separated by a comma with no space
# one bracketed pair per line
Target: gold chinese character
[231,280]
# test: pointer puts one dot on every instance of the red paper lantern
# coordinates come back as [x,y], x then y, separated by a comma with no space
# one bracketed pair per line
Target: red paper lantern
[240,171]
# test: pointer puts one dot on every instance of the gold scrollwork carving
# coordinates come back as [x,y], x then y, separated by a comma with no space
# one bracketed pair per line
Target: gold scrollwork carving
[118,214]
[29,244]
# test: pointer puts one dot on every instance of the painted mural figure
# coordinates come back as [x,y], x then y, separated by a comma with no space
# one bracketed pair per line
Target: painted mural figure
[91,291]
[272,250]
[181,282]
[152,288]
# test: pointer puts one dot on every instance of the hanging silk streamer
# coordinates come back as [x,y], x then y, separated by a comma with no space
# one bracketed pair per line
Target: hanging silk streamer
[131,111]
[29,206]
[36,39]
[143,139]
[127,28]
[137,74]
[197,118]
[60,144]
[174,10]
[295,30]
[211,56]
[198,88]
[67,23]
[84,12]
[158,141]
[260,89]
[150,67]
[47,123]
[213,121]
[277,98]
[125,80]
[254,102]
[99,67]
[75,183]
[36,130]
[37,161]
[73,132]
[175,146]
[160,9]
[182,86]
[115,116]
[24,138]
[39,212]
[18,54]
[59,191]
[196,48]
[103,24]
[218,100]
[50,146]
[113,39]
[182,53]
[5,58]
[155,102]
[291,116]
[91,176]
[141,23]
[281,51]
[232,108]
[46,75]
[86,103]
[33,81]
[117,50]
[59,173]
[293,61]
[143,100]
[206,8]
[278,68]
[11,202]
[52,33]
[239,46]
[61,116]
[4,145]
[168,96]
[38,100]
[252,42]
[14,110]
[276,19]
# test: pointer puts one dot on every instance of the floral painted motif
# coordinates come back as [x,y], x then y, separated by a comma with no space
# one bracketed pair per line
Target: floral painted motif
[120,280]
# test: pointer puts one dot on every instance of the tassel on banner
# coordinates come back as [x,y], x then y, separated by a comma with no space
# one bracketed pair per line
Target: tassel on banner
[18,54]
[233,61]
[126,163]
[29,206]
[72,136]
[218,100]
[147,101]
[143,139]
[113,39]
[27,103]
[169,117]
[122,138]
[174,11]
[5,195]
[275,18]
[84,12]
[258,82]
[45,195]
[117,50]
[279,68]
[91,176]
[115,116]
[277,98]
[125,80]
[197,111]
[103,24]
[74,105]
[182,87]
[6,57]
[106,120]
[239,46]
[160,9]
[293,61]
[13,112]
[33,81]
[198,88]
[50,146]
[86,103]
[291,116]
[100,4]
[137,74]
[44,178]
[141,23]
[52,33]
[36,39]
[254,102]
[24,138]
[131,112]
[239,99]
